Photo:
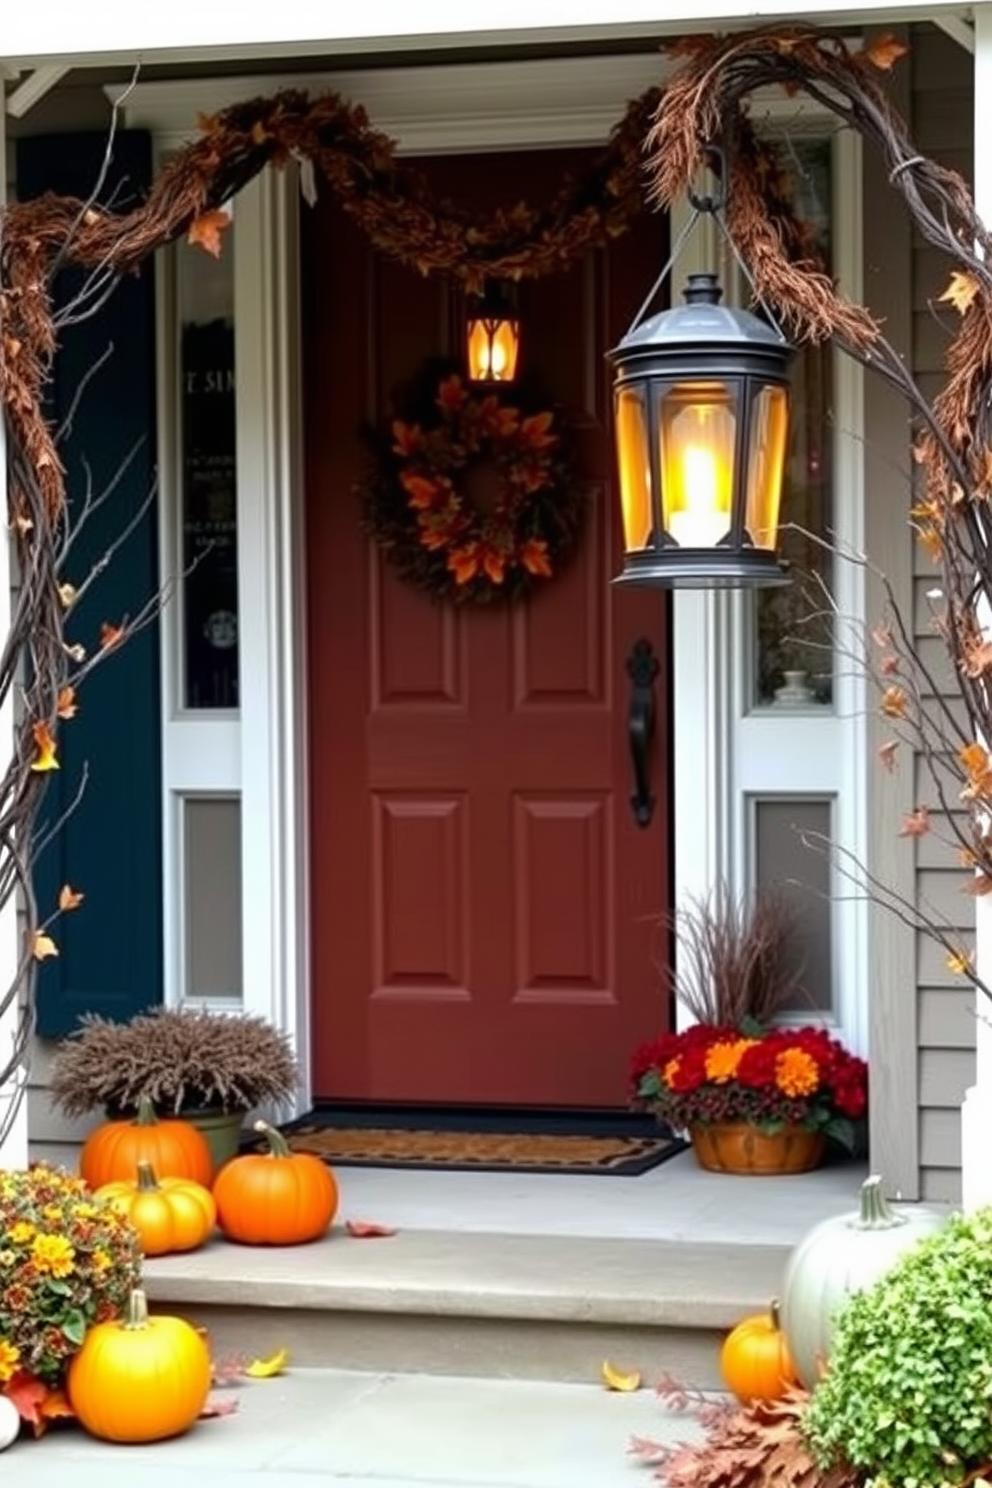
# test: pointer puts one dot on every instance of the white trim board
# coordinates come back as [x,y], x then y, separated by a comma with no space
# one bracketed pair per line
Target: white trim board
[64,31]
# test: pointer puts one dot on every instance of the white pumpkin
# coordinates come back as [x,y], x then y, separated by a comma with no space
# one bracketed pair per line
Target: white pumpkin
[838,1257]
[10,1422]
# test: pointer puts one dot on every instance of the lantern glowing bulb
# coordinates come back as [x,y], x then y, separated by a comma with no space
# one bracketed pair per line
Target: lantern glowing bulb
[492,339]
[704,519]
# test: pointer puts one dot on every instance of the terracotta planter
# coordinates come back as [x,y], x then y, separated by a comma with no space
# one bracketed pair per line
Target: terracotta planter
[736,1147]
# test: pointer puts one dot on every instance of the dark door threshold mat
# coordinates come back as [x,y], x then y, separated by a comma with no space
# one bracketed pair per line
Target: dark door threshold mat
[483,1141]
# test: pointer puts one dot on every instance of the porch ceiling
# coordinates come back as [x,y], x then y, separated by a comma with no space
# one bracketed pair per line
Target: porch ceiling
[187,31]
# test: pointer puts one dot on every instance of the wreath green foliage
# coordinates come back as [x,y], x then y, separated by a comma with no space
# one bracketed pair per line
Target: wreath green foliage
[907,1397]
[472,493]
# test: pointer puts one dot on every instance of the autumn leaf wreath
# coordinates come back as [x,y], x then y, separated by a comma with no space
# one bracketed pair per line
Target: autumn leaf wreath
[472,495]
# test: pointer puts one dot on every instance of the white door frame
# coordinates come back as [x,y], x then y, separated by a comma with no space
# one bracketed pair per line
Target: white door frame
[485,106]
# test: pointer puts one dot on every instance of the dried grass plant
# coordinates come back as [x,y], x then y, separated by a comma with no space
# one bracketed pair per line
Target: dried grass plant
[181,1059]
[737,959]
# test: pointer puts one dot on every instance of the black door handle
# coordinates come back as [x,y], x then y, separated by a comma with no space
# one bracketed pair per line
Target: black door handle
[642,668]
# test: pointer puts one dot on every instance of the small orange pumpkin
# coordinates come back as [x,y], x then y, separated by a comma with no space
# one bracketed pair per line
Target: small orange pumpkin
[755,1361]
[139,1379]
[174,1148]
[169,1214]
[277,1197]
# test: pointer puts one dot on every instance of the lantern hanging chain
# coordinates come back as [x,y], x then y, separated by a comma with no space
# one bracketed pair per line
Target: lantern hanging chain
[680,243]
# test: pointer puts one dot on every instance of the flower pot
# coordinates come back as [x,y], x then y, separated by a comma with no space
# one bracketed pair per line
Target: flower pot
[222,1130]
[737,1147]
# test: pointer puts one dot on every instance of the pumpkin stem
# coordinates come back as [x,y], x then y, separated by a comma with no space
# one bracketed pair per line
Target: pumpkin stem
[775,1315]
[136,1316]
[874,1212]
[146,1112]
[278,1146]
[147,1182]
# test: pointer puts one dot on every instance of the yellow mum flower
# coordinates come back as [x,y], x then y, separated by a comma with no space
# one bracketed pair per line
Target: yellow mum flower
[671,1069]
[54,1254]
[21,1232]
[723,1059]
[101,1261]
[796,1073]
[10,1357]
[86,1211]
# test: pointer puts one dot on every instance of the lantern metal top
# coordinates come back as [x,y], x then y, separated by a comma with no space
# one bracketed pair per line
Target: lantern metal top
[702,338]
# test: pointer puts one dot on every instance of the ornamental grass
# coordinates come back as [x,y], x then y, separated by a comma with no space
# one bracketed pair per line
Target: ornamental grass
[67,1260]
[181,1059]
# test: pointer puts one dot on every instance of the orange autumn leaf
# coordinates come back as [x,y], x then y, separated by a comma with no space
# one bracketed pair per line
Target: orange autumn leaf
[45,745]
[979,885]
[535,431]
[70,898]
[407,438]
[66,705]
[974,758]
[368,1229]
[452,393]
[887,754]
[422,492]
[884,52]
[915,823]
[534,557]
[205,231]
[43,946]
[56,1407]
[960,292]
[958,963]
[894,701]
[110,635]
[28,1395]
[889,664]
[623,1380]
[464,564]
[494,565]
[931,543]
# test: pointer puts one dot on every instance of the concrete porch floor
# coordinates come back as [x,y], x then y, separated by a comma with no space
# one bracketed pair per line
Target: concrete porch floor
[517,1276]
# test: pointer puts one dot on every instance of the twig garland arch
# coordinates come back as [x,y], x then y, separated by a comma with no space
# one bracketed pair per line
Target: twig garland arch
[705,100]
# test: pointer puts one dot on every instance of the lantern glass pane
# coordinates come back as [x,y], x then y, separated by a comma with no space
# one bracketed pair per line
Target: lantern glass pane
[697,430]
[766,459]
[492,350]
[634,462]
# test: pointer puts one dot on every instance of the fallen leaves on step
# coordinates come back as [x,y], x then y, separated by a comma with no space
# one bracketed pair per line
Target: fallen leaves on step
[624,1380]
[368,1229]
[266,1368]
[215,1408]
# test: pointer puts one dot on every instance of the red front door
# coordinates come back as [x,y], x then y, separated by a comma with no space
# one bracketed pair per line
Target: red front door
[485,907]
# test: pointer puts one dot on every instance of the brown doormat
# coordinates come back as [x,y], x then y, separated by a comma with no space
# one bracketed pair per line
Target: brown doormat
[481,1151]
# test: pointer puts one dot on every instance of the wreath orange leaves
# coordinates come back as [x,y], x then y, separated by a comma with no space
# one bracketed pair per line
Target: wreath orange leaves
[424,494]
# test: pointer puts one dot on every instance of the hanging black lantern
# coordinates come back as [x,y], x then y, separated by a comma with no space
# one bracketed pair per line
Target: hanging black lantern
[701,406]
[492,336]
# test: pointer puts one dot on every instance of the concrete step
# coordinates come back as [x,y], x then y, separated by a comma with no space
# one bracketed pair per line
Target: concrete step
[486,1305]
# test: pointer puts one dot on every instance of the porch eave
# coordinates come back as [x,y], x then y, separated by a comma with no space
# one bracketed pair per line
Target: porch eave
[189,32]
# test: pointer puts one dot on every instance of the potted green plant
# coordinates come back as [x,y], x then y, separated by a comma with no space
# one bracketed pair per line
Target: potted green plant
[211,1068]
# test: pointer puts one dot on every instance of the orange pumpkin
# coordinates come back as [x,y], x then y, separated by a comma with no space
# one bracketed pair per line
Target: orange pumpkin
[755,1361]
[141,1378]
[169,1215]
[277,1197]
[174,1148]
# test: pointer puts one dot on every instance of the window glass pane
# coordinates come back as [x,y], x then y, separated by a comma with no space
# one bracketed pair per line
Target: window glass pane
[212,896]
[205,288]
[799,875]
[788,639]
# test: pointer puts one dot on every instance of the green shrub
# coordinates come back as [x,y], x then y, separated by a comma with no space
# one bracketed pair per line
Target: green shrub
[907,1398]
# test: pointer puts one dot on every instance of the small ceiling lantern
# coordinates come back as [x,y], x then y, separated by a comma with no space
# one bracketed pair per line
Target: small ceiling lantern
[492,336]
[701,403]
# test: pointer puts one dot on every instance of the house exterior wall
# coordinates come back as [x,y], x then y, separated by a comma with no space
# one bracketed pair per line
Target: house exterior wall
[942,114]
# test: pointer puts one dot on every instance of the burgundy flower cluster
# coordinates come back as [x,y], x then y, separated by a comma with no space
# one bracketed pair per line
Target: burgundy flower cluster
[772,1078]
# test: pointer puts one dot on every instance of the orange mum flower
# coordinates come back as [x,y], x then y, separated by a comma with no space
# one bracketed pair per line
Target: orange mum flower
[796,1072]
[534,557]
[723,1060]
[421,490]
[671,1069]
